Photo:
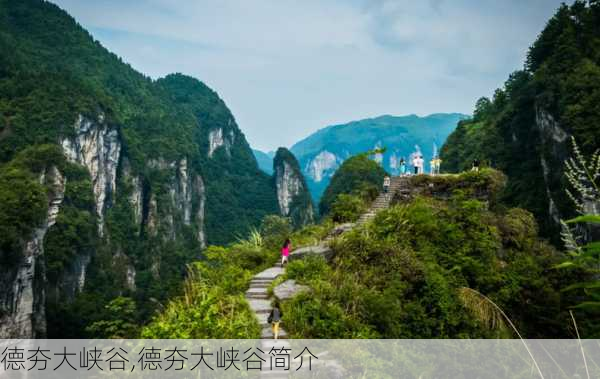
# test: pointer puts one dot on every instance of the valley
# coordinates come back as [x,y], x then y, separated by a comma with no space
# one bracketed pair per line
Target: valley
[135,207]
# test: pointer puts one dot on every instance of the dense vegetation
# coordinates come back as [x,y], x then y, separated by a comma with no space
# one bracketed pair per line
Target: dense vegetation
[512,131]
[359,176]
[23,199]
[52,72]
[411,272]
[213,303]
[400,275]
[405,274]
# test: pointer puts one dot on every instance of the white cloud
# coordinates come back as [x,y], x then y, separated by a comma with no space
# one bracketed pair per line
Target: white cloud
[287,68]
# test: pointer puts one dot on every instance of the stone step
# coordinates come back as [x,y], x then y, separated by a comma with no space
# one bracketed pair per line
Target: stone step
[257,296]
[257,280]
[260,305]
[260,284]
[270,273]
[262,318]
[257,293]
[257,290]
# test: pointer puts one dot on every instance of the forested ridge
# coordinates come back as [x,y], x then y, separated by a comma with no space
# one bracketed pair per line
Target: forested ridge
[524,129]
[164,171]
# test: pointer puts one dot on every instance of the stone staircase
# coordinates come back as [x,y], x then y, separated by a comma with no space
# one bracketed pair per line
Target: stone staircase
[260,302]
[398,184]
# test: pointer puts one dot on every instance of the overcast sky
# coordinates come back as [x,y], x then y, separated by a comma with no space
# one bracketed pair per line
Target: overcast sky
[287,68]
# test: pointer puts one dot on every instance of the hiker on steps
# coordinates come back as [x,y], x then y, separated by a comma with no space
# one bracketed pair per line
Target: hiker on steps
[386,185]
[274,319]
[285,252]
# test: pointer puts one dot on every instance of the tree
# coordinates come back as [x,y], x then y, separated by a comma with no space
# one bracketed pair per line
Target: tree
[482,108]
[120,321]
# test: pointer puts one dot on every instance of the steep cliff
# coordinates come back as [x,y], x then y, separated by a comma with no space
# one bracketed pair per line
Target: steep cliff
[292,192]
[239,194]
[525,129]
[22,300]
[97,147]
[154,171]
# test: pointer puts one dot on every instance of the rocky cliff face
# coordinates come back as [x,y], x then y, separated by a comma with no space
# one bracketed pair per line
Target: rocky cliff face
[163,209]
[96,146]
[554,151]
[218,137]
[23,303]
[292,192]
[323,165]
[185,205]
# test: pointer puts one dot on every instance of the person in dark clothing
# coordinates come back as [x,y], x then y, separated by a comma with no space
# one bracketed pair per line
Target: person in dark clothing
[274,319]
[475,165]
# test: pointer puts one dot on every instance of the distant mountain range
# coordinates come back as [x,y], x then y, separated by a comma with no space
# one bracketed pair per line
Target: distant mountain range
[321,153]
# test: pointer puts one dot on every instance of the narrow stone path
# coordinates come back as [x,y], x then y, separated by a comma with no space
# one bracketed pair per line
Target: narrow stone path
[260,302]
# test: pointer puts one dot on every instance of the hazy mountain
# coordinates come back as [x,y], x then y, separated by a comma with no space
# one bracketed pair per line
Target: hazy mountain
[265,160]
[321,153]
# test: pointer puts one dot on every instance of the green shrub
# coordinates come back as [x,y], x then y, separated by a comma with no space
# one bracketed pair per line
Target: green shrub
[308,269]
[347,208]
[275,230]
[121,323]
[213,304]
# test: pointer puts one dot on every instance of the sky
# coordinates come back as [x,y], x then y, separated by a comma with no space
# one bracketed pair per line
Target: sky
[287,68]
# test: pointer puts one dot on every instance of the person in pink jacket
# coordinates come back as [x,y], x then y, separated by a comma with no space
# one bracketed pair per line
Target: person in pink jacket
[285,251]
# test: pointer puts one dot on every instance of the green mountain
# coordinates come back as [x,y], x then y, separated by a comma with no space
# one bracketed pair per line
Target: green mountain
[358,176]
[111,182]
[264,160]
[526,129]
[323,152]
